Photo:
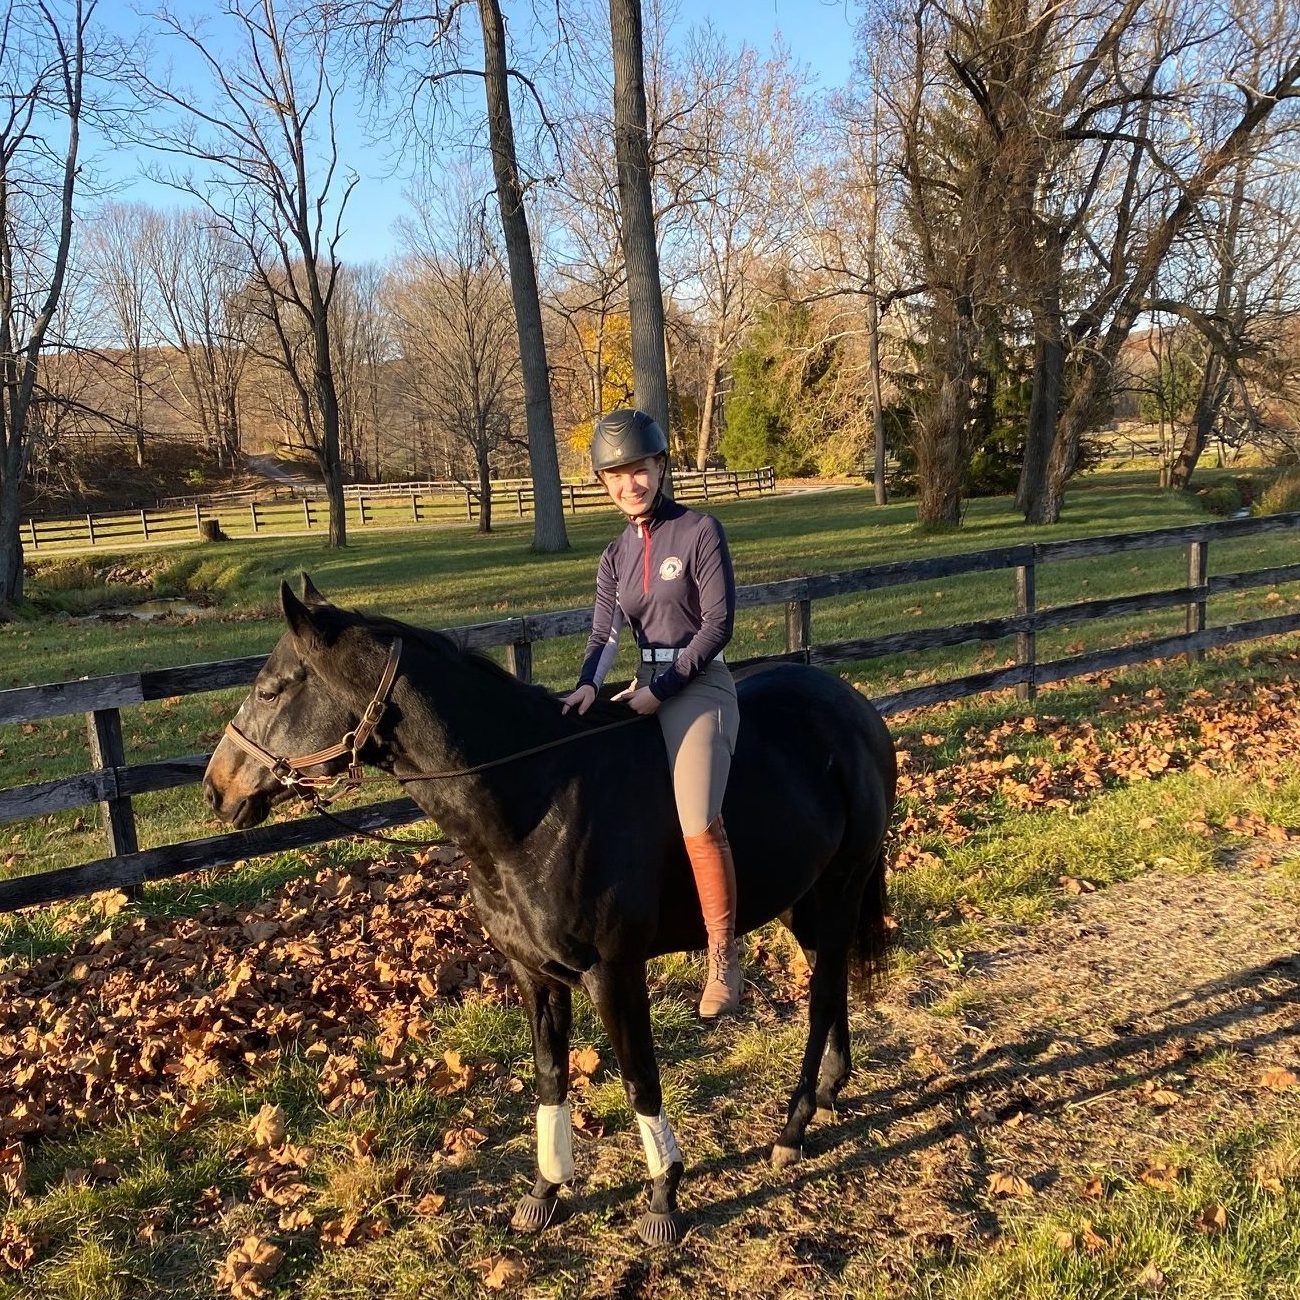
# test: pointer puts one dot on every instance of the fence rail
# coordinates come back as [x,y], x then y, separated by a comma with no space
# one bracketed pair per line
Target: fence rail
[113,782]
[390,505]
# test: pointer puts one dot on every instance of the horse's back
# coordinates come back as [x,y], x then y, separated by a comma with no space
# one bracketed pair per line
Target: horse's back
[784,702]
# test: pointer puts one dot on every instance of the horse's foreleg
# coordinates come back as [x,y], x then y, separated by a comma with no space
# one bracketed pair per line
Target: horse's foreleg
[620,997]
[550,1011]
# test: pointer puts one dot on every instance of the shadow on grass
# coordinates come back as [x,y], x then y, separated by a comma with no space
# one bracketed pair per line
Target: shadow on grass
[850,1147]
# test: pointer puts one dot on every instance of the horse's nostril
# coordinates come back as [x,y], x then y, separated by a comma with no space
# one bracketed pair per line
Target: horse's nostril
[210,794]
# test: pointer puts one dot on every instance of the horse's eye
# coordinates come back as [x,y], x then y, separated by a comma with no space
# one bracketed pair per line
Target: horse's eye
[265,693]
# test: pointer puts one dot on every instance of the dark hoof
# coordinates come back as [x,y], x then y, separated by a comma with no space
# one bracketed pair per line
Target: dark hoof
[783,1156]
[661,1229]
[533,1213]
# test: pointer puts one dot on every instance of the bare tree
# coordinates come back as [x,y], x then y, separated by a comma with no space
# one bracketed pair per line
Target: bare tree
[43,69]
[264,133]
[201,275]
[436,40]
[364,347]
[117,247]
[1274,31]
[636,203]
[457,329]
[750,126]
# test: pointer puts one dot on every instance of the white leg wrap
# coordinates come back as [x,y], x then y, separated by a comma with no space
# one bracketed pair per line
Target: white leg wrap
[660,1145]
[555,1143]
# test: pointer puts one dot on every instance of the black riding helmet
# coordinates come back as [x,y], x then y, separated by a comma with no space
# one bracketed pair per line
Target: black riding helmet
[624,436]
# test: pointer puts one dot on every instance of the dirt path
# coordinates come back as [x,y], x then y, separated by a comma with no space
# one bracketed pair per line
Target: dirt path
[1141,1015]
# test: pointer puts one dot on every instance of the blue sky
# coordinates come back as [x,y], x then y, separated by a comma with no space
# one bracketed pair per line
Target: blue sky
[818,33]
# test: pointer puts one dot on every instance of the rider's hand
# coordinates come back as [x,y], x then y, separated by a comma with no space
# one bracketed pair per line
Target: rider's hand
[640,699]
[582,699]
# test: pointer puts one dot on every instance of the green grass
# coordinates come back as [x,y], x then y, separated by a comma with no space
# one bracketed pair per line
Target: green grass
[1256,1257]
[728,1088]
[452,576]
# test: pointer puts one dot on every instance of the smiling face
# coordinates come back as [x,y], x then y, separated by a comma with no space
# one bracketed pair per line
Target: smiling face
[633,487]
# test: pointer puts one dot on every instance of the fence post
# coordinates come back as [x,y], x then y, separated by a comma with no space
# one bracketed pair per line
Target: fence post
[252,510]
[306,511]
[573,504]
[198,520]
[519,660]
[90,528]
[104,731]
[1198,564]
[415,508]
[469,507]
[144,526]
[519,502]
[31,523]
[361,509]
[798,624]
[1026,648]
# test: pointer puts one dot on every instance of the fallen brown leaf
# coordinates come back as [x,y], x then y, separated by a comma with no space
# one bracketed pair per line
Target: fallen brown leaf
[503,1272]
[1008,1185]
[247,1266]
[1213,1219]
[1151,1278]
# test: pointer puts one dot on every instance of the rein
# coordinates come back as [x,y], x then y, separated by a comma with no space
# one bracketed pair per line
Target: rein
[320,791]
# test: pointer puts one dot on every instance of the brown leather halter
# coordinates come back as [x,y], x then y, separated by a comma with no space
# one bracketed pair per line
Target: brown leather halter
[290,771]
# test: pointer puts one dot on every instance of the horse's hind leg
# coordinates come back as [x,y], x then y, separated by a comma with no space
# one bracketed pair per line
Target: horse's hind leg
[550,1010]
[828,1019]
[837,1063]
[620,996]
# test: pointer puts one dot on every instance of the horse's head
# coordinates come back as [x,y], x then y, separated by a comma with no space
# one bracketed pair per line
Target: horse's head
[310,696]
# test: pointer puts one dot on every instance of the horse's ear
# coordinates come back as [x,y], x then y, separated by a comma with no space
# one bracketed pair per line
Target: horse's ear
[310,595]
[308,622]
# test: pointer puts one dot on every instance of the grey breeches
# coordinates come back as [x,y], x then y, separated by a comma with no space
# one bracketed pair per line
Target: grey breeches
[699,725]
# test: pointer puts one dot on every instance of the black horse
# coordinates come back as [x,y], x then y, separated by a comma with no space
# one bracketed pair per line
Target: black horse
[578,869]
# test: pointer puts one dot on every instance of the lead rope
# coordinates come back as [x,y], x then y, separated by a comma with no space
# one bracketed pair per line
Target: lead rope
[314,799]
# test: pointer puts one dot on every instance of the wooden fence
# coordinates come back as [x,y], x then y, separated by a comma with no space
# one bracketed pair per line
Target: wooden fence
[385,505]
[113,782]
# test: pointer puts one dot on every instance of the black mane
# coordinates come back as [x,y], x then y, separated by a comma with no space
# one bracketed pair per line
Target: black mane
[446,645]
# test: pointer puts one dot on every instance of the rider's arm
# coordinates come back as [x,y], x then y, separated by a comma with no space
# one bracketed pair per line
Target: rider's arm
[606,623]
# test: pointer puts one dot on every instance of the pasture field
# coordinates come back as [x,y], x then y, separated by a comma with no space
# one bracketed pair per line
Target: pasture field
[445,577]
[307,1076]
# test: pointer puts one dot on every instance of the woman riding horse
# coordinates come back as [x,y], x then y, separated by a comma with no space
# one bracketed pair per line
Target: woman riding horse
[668,576]
[577,872]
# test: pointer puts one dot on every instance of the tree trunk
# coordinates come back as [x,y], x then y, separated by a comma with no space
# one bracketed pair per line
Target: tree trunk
[484,488]
[1044,406]
[549,533]
[877,401]
[939,458]
[706,406]
[1209,401]
[640,249]
[941,438]
[11,538]
[327,398]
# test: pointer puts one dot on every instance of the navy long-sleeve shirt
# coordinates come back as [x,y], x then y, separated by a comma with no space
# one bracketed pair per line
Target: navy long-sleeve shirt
[671,580]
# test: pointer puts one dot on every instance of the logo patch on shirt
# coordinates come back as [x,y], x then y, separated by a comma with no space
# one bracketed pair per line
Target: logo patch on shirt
[671,568]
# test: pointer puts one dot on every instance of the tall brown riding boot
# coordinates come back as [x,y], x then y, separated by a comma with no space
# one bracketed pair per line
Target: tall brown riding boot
[715,879]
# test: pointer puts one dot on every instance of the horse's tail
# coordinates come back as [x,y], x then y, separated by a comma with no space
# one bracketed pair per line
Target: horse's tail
[875,933]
